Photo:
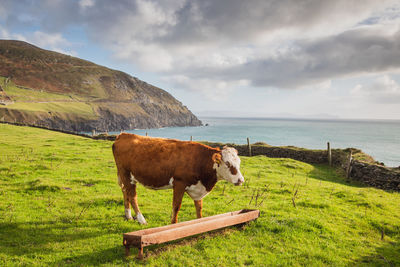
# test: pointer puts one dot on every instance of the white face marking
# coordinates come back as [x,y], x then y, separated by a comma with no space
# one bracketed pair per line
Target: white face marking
[230,157]
[140,218]
[197,191]
[128,214]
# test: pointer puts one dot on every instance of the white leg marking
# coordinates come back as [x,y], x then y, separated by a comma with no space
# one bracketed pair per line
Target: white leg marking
[133,180]
[128,214]
[141,219]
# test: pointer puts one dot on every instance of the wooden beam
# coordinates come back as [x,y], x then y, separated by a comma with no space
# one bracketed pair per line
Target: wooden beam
[249,146]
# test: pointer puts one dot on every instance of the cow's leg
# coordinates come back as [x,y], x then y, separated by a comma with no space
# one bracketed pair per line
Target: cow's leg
[123,181]
[133,200]
[199,206]
[127,205]
[179,191]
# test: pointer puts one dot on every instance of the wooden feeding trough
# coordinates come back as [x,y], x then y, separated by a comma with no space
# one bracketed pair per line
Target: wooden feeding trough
[158,235]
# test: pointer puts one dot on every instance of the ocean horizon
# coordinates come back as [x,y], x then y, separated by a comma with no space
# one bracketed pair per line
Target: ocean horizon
[378,138]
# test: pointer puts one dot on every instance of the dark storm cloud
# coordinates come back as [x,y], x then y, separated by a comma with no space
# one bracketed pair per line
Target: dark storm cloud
[236,19]
[195,20]
[352,52]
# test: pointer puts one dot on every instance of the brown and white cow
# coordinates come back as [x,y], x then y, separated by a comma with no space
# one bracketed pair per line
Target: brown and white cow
[160,163]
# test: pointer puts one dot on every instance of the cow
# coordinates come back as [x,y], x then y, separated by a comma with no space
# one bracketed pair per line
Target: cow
[184,166]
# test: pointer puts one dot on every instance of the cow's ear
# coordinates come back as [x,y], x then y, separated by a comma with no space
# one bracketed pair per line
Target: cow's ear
[216,157]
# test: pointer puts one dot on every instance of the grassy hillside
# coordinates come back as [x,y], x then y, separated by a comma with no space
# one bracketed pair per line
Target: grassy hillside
[60,204]
[32,79]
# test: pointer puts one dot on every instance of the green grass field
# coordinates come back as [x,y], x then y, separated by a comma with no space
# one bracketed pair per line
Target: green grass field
[84,110]
[34,100]
[25,95]
[60,205]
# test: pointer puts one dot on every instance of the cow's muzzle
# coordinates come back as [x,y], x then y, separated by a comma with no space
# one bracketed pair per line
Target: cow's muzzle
[239,182]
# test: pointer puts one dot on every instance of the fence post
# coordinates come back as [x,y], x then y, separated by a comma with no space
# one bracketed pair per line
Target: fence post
[329,154]
[348,170]
[93,132]
[249,146]
[191,138]
[146,133]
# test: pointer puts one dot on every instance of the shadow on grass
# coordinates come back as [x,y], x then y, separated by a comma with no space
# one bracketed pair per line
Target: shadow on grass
[329,174]
[110,255]
[387,255]
[33,239]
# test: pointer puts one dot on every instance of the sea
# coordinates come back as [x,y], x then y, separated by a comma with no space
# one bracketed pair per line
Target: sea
[378,138]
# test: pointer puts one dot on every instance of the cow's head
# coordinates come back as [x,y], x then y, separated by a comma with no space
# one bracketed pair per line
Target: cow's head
[227,165]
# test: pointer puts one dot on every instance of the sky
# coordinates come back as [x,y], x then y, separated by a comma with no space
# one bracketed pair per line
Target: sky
[254,58]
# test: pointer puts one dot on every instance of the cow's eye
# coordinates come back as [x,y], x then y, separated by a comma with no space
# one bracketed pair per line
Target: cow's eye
[233,170]
[228,164]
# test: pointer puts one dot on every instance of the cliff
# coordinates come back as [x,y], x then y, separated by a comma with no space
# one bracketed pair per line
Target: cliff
[45,88]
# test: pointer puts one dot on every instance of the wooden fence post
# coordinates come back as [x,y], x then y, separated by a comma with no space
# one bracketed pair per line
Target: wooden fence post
[329,154]
[249,146]
[191,138]
[146,134]
[348,170]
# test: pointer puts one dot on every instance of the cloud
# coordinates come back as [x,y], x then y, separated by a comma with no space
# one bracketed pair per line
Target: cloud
[5,34]
[383,90]
[48,40]
[86,3]
[217,44]
[280,44]
[352,53]
[215,90]
[52,41]
[55,42]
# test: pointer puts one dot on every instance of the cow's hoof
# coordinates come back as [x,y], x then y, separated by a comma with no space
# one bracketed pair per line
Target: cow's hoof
[128,214]
[140,219]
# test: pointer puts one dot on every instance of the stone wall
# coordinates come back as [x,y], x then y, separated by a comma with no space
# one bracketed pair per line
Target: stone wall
[375,175]
[366,173]
[339,156]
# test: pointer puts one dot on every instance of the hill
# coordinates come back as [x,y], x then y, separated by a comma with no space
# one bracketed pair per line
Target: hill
[41,87]
[60,204]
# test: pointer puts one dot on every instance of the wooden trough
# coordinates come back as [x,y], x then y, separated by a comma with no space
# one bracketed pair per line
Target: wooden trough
[158,235]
